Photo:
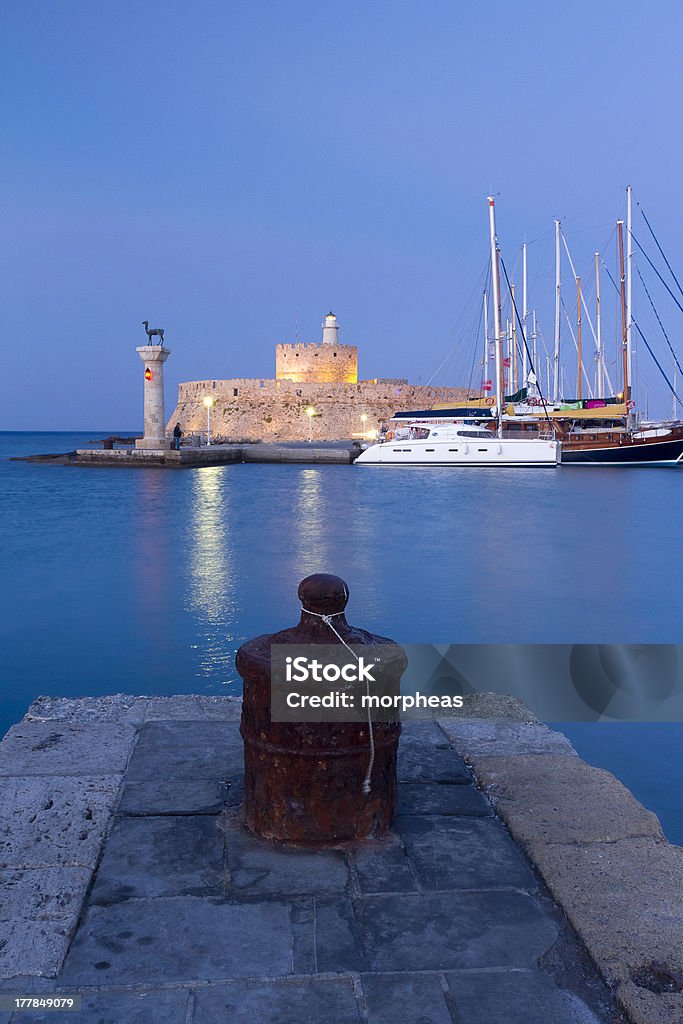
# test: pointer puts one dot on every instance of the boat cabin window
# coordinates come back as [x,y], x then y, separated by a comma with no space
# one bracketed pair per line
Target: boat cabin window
[470,432]
[419,433]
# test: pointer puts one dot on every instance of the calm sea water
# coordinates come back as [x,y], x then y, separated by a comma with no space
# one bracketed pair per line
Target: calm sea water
[147,581]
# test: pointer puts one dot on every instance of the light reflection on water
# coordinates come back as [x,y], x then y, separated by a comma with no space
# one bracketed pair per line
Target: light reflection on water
[311,522]
[212,584]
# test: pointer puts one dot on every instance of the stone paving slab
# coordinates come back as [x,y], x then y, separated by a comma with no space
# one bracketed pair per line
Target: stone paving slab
[446,931]
[314,1001]
[163,1007]
[337,937]
[597,881]
[117,707]
[193,707]
[187,750]
[31,946]
[220,709]
[406,999]
[644,1007]
[303,924]
[167,856]
[420,761]
[134,710]
[261,868]
[54,893]
[428,732]
[66,748]
[493,737]
[556,798]
[448,853]
[515,997]
[39,911]
[147,942]
[382,865]
[173,797]
[432,798]
[47,821]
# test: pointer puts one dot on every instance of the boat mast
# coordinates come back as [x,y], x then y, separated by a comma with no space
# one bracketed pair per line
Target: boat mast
[629,260]
[525,369]
[514,342]
[556,358]
[578,338]
[486,339]
[622,290]
[675,407]
[601,386]
[496,314]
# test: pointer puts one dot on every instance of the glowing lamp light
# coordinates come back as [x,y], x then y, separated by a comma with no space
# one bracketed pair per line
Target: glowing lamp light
[310,412]
[208,401]
[148,374]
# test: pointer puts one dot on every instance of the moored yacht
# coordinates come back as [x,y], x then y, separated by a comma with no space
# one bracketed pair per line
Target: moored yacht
[460,443]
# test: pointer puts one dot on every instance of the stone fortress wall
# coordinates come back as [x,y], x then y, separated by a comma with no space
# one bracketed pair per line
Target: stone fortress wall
[269,410]
[318,379]
[313,364]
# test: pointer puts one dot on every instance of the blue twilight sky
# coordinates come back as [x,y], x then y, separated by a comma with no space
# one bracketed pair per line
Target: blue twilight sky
[230,171]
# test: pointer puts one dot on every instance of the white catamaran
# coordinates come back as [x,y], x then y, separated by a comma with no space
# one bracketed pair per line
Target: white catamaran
[465,442]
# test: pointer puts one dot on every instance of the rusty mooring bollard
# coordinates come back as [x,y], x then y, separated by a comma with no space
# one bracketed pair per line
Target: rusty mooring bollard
[309,782]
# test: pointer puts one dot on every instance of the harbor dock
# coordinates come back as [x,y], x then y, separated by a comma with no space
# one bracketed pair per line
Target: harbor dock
[517,884]
[206,455]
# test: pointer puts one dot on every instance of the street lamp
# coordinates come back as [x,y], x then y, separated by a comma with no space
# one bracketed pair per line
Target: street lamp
[364,420]
[208,402]
[310,412]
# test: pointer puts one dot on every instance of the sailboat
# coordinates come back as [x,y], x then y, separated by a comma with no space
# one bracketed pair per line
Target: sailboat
[606,432]
[598,432]
[465,439]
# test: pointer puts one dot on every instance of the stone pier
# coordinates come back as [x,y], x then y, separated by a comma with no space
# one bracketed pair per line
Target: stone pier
[518,884]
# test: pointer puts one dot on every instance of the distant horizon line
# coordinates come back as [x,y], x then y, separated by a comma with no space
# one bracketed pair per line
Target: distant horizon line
[68,430]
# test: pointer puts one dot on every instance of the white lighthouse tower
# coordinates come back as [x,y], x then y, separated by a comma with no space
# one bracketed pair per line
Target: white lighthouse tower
[330,330]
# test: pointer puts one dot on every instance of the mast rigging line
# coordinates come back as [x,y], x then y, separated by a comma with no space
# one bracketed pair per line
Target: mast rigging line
[660,248]
[654,310]
[523,333]
[657,272]
[583,300]
[647,344]
[470,388]
[576,346]
[454,331]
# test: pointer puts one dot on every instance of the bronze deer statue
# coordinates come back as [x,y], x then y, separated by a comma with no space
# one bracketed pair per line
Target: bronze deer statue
[151,332]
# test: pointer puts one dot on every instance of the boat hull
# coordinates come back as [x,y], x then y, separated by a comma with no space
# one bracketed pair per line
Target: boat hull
[653,452]
[477,452]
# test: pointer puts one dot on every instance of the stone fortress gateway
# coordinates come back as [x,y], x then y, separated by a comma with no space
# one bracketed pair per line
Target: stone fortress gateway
[315,394]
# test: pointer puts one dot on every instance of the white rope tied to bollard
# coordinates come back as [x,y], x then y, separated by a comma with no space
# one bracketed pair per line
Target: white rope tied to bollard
[327,619]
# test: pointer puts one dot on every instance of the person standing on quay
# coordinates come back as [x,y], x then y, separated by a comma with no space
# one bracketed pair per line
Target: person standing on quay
[177,434]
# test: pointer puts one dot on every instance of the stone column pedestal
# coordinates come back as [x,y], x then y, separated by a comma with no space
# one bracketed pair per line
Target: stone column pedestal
[154,357]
